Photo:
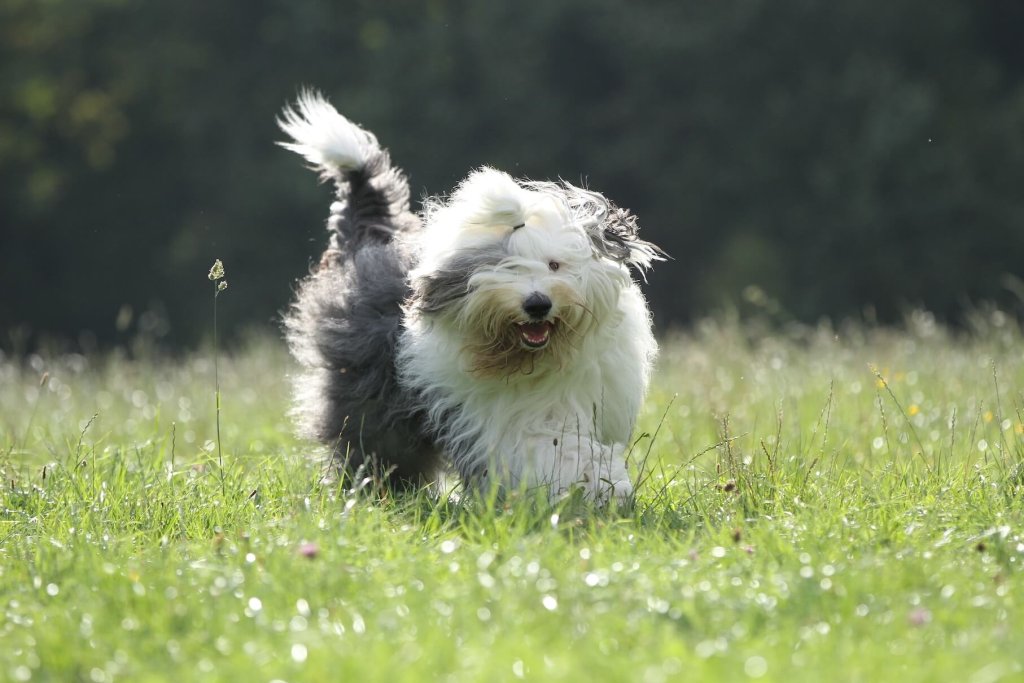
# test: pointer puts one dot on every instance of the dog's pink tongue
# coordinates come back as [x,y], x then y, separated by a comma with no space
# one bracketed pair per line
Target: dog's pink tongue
[535,333]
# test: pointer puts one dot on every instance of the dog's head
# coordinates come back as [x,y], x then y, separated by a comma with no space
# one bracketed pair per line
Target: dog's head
[522,272]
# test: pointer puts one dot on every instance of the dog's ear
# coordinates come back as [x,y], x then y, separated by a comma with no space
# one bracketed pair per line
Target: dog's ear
[440,287]
[613,231]
[618,239]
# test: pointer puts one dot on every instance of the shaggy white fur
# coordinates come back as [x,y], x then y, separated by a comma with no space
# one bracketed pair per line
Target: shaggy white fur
[521,346]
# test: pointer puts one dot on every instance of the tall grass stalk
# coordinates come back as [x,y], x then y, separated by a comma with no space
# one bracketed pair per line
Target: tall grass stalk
[216,275]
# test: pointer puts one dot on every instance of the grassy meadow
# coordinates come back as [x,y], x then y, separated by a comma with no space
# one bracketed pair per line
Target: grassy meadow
[815,504]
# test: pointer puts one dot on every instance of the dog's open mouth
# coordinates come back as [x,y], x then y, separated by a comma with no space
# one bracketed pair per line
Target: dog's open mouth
[535,335]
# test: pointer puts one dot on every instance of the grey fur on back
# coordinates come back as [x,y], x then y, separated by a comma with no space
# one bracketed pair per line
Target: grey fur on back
[344,326]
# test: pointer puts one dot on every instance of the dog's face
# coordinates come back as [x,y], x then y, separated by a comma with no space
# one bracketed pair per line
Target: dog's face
[523,272]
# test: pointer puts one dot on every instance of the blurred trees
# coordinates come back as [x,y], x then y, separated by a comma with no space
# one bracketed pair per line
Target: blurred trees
[837,156]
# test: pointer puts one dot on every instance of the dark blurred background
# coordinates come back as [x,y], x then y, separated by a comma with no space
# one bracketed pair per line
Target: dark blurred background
[859,158]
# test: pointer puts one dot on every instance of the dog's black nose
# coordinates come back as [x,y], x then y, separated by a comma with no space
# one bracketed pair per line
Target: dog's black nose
[537,306]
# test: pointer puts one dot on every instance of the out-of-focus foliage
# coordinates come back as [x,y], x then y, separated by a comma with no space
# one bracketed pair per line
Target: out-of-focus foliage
[837,156]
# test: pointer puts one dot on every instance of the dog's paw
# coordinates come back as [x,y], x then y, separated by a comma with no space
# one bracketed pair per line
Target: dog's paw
[598,470]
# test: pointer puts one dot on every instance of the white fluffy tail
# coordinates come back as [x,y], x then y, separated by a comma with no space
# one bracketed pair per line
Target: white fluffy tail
[326,139]
[372,196]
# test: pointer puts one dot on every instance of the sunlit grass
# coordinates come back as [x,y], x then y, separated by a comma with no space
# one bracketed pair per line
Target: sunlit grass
[816,504]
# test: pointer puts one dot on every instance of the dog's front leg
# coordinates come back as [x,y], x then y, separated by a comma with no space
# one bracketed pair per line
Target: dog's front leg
[565,462]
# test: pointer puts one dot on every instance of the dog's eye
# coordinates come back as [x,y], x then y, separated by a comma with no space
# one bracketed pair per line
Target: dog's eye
[554,265]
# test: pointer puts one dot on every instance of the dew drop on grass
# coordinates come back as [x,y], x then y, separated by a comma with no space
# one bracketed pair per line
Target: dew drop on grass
[657,605]
[485,560]
[299,652]
[755,666]
[550,603]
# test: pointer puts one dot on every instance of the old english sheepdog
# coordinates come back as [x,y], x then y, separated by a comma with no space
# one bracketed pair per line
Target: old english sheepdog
[500,329]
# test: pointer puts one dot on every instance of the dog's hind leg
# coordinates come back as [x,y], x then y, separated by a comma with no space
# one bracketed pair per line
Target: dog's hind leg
[344,325]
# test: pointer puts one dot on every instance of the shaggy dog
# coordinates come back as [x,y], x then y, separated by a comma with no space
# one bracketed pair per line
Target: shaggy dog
[500,329]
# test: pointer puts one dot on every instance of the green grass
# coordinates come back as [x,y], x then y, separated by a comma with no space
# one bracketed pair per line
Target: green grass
[816,505]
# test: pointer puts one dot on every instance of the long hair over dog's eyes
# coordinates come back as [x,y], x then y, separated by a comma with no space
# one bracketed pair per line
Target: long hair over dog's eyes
[554,265]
